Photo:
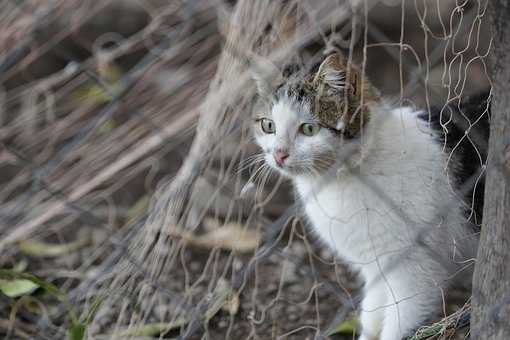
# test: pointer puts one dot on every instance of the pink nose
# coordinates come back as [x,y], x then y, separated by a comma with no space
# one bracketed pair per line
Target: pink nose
[280,157]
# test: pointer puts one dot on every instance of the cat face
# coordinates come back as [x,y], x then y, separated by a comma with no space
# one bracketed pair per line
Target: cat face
[303,125]
[292,139]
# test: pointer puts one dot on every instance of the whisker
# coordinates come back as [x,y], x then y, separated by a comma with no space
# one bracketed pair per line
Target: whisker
[250,161]
[262,177]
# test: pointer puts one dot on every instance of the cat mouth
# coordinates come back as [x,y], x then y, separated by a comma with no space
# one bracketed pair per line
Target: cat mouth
[280,167]
[284,168]
[287,169]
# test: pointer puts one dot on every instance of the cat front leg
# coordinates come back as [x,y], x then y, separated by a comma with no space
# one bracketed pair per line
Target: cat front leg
[404,315]
[372,312]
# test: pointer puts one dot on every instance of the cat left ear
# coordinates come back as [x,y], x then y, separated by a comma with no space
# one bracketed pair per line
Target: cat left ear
[266,75]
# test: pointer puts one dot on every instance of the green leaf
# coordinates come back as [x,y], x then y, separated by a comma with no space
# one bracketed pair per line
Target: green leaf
[348,327]
[9,275]
[42,249]
[15,288]
[93,309]
[153,329]
[12,275]
[90,93]
[77,331]
[107,127]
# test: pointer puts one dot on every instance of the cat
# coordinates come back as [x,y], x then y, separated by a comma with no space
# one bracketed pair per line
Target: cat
[371,178]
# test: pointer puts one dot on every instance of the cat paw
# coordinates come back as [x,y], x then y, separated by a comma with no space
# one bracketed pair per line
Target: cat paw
[367,337]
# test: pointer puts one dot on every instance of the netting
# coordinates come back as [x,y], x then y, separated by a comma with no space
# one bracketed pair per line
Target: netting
[130,179]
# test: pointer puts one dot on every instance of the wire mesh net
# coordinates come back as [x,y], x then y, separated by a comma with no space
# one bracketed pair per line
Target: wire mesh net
[130,179]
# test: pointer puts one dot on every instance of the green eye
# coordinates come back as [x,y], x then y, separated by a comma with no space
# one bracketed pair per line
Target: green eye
[309,129]
[267,125]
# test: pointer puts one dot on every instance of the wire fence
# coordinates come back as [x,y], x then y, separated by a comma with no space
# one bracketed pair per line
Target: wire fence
[129,174]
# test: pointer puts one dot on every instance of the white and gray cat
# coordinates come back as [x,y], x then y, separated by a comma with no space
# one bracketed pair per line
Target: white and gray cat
[372,180]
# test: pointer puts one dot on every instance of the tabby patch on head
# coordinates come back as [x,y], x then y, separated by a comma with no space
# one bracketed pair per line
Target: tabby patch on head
[342,95]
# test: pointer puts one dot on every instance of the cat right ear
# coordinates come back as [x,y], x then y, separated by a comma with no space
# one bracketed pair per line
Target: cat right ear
[332,74]
[266,75]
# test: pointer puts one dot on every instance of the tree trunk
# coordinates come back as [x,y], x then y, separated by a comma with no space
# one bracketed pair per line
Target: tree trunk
[491,282]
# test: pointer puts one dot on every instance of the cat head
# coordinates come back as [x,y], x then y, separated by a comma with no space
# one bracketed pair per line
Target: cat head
[303,123]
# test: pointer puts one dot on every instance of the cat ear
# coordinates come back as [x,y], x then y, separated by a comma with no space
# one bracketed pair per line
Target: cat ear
[335,75]
[266,75]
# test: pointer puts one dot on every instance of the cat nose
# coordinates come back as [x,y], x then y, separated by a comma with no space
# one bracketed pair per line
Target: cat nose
[280,157]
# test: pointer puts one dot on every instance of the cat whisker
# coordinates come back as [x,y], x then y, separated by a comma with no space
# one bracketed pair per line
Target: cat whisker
[264,175]
[255,176]
[249,162]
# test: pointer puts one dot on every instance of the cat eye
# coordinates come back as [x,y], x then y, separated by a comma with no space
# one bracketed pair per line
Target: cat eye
[267,125]
[309,129]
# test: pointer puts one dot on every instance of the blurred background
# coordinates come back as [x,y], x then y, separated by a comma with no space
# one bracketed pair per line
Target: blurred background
[99,106]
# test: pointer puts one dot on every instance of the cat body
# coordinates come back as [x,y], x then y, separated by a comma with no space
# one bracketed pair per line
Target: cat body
[381,199]
[395,220]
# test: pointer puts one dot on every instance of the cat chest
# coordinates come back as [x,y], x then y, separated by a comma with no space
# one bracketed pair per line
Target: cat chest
[350,219]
